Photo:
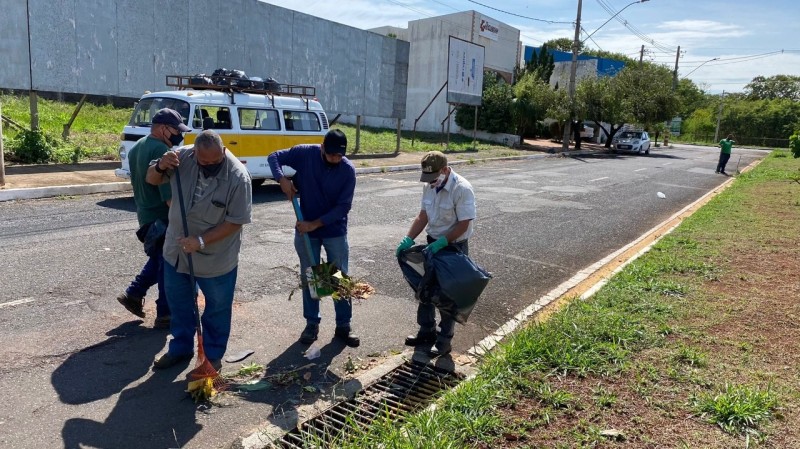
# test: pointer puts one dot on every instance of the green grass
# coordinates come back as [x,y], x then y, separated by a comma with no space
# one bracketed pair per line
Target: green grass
[737,408]
[94,133]
[646,309]
[382,140]
[96,130]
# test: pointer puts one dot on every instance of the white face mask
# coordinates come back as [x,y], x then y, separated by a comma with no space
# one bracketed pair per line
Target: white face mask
[439,181]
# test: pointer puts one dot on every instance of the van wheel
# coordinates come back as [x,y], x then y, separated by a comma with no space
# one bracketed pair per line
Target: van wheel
[258,182]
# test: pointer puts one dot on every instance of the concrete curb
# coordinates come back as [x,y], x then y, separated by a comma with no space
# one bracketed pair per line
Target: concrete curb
[110,187]
[44,192]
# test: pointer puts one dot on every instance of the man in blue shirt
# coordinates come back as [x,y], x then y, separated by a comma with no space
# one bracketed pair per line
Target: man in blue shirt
[326,181]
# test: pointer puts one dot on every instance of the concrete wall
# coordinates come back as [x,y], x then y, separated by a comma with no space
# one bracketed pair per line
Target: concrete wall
[125,47]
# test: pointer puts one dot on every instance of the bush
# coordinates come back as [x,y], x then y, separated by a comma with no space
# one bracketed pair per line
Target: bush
[794,144]
[33,147]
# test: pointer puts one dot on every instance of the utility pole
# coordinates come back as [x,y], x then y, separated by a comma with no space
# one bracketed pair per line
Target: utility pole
[573,70]
[719,116]
[641,55]
[675,73]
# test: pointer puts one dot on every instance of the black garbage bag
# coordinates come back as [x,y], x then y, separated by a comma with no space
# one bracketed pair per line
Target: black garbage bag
[449,279]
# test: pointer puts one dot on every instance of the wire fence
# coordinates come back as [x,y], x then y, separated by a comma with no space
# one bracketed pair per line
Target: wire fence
[746,141]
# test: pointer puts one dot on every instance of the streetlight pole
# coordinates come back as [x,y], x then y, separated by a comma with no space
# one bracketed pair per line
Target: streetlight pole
[701,65]
[573,70]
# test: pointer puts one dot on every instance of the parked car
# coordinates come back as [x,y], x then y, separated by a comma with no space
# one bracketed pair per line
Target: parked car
[587,133]
[633,141]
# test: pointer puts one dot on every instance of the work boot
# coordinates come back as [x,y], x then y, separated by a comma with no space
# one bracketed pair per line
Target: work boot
[134,304]
[422,338]
[442,347]
[346,334]
[309,334]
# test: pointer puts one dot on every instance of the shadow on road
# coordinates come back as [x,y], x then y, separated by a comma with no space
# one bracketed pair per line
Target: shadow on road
[288,390]
[156,413]
[121,203]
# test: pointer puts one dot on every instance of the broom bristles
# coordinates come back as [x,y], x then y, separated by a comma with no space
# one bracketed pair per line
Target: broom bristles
[203,368]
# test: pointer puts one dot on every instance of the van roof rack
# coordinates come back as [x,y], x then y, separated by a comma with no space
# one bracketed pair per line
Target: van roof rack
[231,85]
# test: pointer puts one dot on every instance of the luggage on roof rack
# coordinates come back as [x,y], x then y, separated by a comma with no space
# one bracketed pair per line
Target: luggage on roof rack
[238,83]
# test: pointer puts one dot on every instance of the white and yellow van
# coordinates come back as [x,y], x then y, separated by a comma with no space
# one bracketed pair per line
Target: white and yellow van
[253,123]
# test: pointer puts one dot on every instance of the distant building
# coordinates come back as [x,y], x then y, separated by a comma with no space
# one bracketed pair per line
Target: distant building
[588,66]
[427,66]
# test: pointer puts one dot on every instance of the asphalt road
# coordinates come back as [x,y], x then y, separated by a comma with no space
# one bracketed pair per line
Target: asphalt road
[76,366]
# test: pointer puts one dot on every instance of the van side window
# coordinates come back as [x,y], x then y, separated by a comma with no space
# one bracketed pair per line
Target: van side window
[259,119]
[301,121]
[220,115]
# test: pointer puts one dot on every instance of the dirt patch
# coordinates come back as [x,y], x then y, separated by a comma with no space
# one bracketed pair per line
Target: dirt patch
[739,324]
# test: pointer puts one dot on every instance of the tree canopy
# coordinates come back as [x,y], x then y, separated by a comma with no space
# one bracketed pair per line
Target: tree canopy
[774,87]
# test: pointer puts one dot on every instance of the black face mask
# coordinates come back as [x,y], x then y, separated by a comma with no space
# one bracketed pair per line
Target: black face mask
[211,170]
[329,164]
[176,139]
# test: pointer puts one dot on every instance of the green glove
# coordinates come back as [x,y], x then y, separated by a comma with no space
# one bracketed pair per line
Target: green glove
[407,242]
[437,245]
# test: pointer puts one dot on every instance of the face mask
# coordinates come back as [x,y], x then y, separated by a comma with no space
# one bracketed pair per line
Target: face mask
[176,139]
[439,181]
[211,170]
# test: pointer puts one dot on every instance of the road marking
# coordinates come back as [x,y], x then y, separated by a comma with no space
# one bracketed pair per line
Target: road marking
[16,303]
[668,163]
[598,179]
[640,169]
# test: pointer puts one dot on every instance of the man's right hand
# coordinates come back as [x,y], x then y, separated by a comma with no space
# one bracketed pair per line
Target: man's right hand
[168,161]
[287,186]
[406,243]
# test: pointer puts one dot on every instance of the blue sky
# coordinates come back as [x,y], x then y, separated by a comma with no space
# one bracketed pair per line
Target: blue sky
[746,36]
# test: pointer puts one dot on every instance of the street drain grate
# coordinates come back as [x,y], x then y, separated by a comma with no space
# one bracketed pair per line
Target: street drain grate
[406,389]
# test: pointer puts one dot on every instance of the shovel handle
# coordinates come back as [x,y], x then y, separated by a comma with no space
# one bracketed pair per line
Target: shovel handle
[306,240]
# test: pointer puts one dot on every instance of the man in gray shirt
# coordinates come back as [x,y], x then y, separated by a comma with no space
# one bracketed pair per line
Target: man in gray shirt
[217,195]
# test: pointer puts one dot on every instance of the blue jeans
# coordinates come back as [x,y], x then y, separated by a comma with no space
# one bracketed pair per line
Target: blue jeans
[216,317]
[338,253]
[152,273]
[426,312]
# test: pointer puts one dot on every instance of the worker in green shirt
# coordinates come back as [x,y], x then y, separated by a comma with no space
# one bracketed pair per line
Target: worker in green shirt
[725,153]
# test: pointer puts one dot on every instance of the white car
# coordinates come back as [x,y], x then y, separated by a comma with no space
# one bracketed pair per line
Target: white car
[587,133]
[633,141]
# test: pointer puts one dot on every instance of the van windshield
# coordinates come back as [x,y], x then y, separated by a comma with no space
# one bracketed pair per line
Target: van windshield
[147,108]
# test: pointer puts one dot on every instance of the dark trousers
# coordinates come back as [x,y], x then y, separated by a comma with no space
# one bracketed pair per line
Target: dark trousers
[723,160]
[426,312]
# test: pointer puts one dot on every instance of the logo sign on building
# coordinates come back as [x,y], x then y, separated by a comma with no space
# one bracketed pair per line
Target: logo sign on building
[464,72]
[489,30]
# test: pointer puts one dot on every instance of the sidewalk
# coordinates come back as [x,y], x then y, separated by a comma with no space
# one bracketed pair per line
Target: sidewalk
[41,181]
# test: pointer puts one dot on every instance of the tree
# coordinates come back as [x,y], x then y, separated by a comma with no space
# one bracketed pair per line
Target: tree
[774,87]
[646,94]
[691,97]
[494,114]
[533,99]
[541,65]
[599,99]
[563,44]
[638,94]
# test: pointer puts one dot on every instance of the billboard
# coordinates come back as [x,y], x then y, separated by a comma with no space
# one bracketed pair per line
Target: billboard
[464,72]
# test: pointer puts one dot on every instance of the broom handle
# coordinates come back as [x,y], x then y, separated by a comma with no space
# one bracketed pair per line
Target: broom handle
[299,214]
[189,255]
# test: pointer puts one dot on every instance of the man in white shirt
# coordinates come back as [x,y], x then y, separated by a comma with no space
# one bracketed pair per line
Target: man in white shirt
[447,215]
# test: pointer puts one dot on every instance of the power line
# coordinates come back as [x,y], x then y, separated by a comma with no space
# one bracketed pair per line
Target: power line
[515,14]
[638,33]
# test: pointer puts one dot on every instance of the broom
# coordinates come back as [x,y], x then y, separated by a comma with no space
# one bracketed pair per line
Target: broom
[205,380]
